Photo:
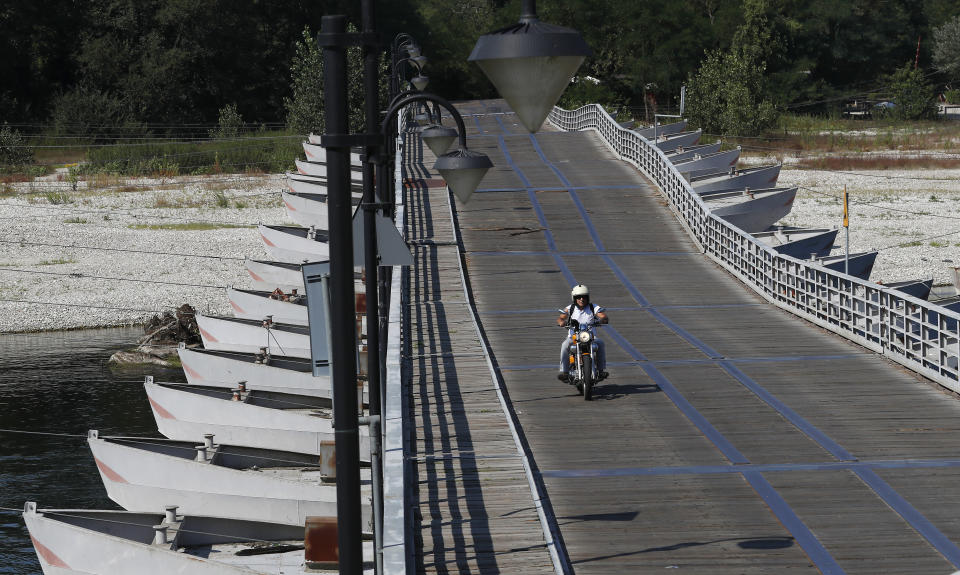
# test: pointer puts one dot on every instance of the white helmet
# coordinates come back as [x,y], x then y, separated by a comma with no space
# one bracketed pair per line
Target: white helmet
[580,290]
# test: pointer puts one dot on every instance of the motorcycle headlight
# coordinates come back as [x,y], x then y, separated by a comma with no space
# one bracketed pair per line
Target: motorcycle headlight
[585,336]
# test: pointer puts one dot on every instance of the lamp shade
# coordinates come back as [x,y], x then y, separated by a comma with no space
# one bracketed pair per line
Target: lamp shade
[421,119]
[420,82]
[463,170]
[420,61]
[413,50]
[530,64]
[438,138]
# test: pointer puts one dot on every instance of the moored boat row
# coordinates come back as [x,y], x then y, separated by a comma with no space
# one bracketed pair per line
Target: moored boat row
[242,479]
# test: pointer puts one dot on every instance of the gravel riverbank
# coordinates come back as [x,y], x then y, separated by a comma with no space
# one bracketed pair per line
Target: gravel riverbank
[159,244]
[165,242]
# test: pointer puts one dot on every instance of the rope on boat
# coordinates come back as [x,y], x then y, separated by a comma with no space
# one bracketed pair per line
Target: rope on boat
[133,440]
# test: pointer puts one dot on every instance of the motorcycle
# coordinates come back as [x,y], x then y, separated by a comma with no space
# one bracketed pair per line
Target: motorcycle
[583,353]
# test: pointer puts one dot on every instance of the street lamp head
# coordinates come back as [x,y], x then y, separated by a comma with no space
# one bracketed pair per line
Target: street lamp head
[420,82]
[530,64]
[413,50]
[438,138]
[421,118]
[420,61]
[463,170]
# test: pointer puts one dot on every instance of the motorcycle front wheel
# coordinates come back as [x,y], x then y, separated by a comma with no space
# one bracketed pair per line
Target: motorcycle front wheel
[587,377]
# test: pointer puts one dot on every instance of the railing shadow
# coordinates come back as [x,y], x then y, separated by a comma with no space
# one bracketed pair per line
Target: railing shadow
[445,466]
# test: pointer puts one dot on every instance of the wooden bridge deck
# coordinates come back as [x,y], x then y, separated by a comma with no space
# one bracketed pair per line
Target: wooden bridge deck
[731,436]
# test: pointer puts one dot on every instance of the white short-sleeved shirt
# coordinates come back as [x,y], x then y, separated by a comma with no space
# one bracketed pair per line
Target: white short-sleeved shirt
[583,316]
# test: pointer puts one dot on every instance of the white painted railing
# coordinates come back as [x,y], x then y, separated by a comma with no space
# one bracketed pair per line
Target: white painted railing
[915,333]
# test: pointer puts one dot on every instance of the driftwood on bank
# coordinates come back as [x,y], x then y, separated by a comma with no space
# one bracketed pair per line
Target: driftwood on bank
[162,335]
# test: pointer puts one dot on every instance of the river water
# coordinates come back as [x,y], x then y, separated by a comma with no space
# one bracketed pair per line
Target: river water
[60,383]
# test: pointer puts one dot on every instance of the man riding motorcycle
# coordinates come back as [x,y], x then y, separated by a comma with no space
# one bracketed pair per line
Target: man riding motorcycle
[587,314]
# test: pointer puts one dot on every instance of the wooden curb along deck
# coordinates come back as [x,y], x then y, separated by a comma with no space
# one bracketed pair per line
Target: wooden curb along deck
[474,510]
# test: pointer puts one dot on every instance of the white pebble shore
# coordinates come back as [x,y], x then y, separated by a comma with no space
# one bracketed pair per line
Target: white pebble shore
[97,295]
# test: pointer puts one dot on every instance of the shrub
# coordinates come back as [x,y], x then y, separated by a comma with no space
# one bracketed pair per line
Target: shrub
[92,114]
[913,97]
[229,124]
[13,150]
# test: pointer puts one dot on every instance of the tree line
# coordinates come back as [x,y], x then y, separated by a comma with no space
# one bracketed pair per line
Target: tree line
[114,68]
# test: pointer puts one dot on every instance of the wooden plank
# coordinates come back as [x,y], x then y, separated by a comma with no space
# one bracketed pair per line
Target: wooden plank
[658,498]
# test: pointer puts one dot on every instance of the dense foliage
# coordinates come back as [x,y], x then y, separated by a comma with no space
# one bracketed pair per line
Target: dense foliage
[102,69]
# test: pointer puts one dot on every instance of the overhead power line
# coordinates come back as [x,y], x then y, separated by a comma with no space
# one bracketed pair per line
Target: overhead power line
[23,243]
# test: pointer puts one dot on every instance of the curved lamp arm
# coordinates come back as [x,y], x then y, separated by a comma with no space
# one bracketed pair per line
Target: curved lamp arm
[412,63]
[461,128]
[400,38]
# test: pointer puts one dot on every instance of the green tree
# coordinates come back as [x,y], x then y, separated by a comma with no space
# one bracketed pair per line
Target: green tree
[913,97]
[726,96]
[729,93]
[305,105]
[946,48]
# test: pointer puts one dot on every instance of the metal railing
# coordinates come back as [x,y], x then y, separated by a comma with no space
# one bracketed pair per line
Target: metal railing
[915,333]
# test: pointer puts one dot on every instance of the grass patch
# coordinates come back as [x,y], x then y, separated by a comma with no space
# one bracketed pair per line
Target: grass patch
[58,197]
[818,134]
[74,221]
[911,245]
[876,163]
[182,201]
[57,262]
[266,152]
[936,244]
[190,226]
[221,199]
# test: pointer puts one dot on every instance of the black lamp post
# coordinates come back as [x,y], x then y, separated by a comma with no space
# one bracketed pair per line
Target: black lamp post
[337,142]
[530,63]
[463,171]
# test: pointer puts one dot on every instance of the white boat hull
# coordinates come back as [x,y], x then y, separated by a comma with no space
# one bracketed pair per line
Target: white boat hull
[752,214]
[320,171]
[226,335]
[215,370]
[254,306]
[292,248]
[185,416]
[709,164]
[662,130]
[317,153]
[685,153]
[95,542]
[269,276]
[65,549]
[145,480]
[753,178]
[304,211]
[674,141]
